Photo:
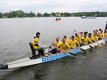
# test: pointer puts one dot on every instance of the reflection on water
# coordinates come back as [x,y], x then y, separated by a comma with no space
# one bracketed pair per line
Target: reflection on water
[16,33]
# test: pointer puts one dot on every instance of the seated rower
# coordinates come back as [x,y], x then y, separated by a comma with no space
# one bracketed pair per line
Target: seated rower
[91,37]
[95,36]
[81,35]
[77,37]
[100,34]
[86,33]
[73,43]
[64,47]
[94,32]
[36,47]
[56,44]
[105,33]
[97,31]
[67,40]
[85,40]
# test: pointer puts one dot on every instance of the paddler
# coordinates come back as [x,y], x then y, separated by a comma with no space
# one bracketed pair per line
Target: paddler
[105,33]
[64,47]
[97,31]
[100,34]
[95,36]
[86,33]
[91,37]
[73,43]
[77,37]
[56,44]
[67,40]
[94,32]
[81,35]
[85,40]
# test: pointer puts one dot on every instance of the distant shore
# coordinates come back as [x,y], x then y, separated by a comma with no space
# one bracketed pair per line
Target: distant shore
[22,14]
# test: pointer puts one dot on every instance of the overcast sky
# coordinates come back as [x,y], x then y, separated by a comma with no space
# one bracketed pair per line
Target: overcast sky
[53,5]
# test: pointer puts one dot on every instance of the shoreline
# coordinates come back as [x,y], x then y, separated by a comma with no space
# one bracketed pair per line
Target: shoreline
[47,17]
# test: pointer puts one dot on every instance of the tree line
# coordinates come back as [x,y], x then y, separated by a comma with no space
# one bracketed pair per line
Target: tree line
[20,13]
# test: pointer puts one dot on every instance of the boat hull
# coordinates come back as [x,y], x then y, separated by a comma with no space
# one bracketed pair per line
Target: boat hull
[27,61]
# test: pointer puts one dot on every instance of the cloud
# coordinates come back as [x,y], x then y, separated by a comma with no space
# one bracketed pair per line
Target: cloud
[53,5]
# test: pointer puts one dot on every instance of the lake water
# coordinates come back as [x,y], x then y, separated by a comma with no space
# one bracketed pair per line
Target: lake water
[16,33]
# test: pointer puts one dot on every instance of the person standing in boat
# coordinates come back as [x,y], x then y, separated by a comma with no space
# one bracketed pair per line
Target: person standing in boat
[36,47]
[106,25]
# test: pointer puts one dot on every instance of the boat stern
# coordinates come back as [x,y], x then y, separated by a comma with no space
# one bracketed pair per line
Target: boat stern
[3,66]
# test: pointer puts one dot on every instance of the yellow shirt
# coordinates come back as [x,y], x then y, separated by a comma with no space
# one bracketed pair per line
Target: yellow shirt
[78,38]
[81,36]
[67,40]
[105,35]
[64,46]
[85,41]
[34,42]
[73,43]
[57,43]
[96,38]
[93,34]
[92,38]
[101,35]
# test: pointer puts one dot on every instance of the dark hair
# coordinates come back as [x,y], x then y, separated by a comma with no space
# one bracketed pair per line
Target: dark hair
[81,32]
[96,30]
[85,33]
[76,34]
[72,36]
[34,37]
[100,29]
[38,33]
[65,36]
[89,33]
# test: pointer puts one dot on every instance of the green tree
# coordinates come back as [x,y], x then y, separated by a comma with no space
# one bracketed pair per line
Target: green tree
[46,14]
[31,14]
[53,14]
[1,15]
[67,14]
[38,15]
[20,13]
[14,13]
[9,15]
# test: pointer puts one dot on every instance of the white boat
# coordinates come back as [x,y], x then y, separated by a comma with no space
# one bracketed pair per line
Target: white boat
[88,17]
[27,61]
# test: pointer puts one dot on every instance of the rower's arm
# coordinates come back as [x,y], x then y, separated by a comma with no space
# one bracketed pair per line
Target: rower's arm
[103,35]
[89,40]
[78,43]
[53,44]
[68,46]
